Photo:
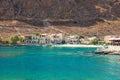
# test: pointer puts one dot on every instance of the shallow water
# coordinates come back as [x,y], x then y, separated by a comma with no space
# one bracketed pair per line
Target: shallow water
[50,63]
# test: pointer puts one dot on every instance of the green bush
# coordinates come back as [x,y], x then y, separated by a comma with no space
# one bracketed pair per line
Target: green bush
[81,37]
[20,39]
[37,34]
[103,43]
[14,39]
[94,41]
[5,42]
[0,39]
[63,42]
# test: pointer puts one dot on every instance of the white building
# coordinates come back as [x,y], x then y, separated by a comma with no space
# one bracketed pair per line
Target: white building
[56,38]
[44,39]
[72,39]
[31,40]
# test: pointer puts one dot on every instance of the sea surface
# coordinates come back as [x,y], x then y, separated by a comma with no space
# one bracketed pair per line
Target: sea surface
[51,63]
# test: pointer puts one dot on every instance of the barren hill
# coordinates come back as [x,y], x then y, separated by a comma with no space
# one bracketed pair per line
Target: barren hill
[87,17]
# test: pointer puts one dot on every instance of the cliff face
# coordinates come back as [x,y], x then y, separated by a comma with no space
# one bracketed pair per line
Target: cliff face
[80,10]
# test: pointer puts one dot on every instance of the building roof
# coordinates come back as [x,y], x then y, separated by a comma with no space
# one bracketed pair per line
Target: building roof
[112,39]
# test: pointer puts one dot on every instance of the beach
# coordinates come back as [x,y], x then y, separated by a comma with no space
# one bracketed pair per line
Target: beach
[78,45]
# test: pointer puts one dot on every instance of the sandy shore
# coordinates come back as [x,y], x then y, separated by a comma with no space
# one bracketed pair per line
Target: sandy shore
[77,45]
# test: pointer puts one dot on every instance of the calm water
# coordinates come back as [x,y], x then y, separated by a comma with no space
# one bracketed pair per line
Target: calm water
[48,63]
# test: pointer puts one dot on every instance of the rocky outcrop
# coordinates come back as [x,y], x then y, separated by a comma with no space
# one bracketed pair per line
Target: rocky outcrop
[109,50]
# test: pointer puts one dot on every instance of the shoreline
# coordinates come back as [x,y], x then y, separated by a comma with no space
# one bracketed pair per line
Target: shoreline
[102,50]
[78,45]
[61,45]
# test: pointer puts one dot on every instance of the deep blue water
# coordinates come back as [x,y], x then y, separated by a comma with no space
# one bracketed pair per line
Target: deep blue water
[49,63]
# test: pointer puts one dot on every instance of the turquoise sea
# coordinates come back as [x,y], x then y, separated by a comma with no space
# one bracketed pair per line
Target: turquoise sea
[50,63]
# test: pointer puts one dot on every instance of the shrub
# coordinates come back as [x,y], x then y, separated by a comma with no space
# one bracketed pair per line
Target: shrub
[20,39]
[63,42]
[81,37]
[37,34]
[14,39]
[94,41]
[5,42]
[0,39]
[103,43]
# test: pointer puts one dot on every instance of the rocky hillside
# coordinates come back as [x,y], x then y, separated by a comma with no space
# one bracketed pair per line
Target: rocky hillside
[79,13]
[81,10]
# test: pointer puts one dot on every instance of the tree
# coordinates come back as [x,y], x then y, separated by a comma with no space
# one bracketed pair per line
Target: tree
[5,42]
[0,39]
[37,34]
[94,41]
[14,39]
[20,39]
[81,37]
[63,42]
